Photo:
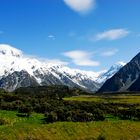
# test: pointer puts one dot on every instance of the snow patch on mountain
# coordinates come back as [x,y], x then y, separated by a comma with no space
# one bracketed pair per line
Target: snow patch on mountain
[8,50]
[12,59]
[107,75]
[46,73]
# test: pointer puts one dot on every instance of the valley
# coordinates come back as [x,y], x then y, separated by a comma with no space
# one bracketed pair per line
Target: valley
[46,101]
[25,117]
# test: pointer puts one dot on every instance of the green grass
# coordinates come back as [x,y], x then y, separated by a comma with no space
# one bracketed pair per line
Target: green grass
[14,119]
[113,99]
[33,129]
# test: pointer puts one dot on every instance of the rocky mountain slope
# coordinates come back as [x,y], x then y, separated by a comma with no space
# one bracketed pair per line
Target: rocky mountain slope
[135,86]
[127,78]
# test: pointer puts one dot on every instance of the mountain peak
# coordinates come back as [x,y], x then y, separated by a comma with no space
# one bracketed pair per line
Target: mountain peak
[121,63]
[8,50]
[126,79]
[118,65]
[108,74]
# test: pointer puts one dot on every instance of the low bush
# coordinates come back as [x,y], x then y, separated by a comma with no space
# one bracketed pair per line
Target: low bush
[4,121]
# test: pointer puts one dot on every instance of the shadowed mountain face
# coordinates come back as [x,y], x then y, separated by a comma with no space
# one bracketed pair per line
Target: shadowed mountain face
[24,79]
[16,80]
[127,78]
[135,86]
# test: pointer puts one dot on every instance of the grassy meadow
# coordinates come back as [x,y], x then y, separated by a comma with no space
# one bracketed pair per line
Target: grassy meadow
[33,128]
[134,99]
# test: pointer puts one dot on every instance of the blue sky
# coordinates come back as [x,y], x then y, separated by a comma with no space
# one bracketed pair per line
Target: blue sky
[87,34]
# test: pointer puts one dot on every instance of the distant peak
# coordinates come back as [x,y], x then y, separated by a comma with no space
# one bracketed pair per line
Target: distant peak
[8,50]
[118,64]
[121,63]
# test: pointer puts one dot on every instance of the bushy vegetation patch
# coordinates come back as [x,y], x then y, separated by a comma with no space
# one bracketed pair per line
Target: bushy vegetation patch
[4,121]
[56,109]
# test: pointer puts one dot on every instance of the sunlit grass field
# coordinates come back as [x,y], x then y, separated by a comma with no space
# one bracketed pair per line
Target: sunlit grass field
[33,128]
[113,99]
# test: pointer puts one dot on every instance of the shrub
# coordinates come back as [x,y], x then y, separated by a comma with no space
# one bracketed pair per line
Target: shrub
[51,117]
[82,116]
[101,137]
[26,110]
[99,115]
[3,121]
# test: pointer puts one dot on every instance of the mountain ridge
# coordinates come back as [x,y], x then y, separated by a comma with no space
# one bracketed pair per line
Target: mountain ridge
[13,60]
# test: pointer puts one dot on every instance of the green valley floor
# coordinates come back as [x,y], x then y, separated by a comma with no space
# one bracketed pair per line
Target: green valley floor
[32,128]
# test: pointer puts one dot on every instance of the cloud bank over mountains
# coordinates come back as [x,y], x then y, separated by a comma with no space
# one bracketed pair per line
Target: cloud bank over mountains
[81,58]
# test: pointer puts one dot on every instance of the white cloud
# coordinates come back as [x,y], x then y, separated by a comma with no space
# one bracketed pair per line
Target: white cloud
[112,34]
[81,6]
[109,53]
[47,60]
[81,58]
[52,37]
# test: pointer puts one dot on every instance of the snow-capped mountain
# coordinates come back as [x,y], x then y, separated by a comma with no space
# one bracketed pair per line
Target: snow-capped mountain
[13,60]
[107,75]
[18,70]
